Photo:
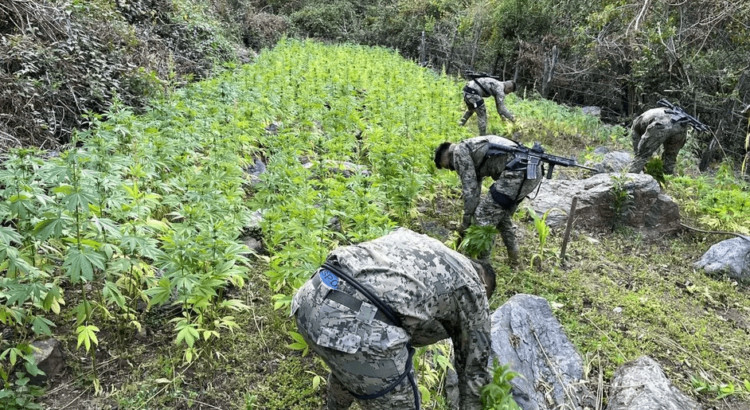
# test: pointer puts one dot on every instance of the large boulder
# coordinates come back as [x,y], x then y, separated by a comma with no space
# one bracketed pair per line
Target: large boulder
[527,336]
[642,385]
[731,257]
[615,161]
[648,210]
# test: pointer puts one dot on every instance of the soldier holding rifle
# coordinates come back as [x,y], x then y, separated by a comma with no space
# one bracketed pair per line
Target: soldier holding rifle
[516,170]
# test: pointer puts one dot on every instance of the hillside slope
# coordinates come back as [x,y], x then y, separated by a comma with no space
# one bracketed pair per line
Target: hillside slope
[133,237]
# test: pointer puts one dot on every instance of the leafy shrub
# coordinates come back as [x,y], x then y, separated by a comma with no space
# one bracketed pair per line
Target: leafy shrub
[497,395]
[720,203]
[63,59]
[333,20]
[263,30]
[478,240]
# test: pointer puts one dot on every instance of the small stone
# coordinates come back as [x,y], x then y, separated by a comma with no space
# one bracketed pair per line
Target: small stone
[601,150]
[49,359]
[253,244]
[617,310]
[592,110]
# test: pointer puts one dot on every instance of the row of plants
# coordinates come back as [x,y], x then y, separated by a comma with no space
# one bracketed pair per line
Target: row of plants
[142,211]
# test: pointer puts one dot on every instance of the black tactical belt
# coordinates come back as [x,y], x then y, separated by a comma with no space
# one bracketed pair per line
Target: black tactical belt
[470,90]
[348,300]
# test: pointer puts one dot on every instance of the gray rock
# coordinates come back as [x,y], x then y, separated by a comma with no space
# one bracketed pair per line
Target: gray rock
[731,257]
[49,359]
[649,211]
[273,128]
[642,385]
[347,169]
[334,224]
[254,244]
[601,150]
[615,161]
[526,335]
[253,227]
[592,110]
[255,170]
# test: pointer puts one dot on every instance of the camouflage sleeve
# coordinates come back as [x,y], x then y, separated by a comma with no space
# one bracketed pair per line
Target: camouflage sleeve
[472,346]
[470,186]
[500,103]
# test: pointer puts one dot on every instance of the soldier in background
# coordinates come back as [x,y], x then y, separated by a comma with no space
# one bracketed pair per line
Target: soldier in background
[480,88]
[434,292]
[652,129]
[496,208]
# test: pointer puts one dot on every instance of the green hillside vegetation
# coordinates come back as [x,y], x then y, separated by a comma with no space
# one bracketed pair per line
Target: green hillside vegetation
[126,247]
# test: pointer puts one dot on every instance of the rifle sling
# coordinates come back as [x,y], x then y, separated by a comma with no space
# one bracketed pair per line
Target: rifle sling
[476,81]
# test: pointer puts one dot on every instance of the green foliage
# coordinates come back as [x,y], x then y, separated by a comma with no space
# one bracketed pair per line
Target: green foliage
[718,203]
[543,231]
[478,240]
[333,20]
[65,59]
[717,391]
[497,395]
[622,200]
[655,168]
[431,364]
[19,395]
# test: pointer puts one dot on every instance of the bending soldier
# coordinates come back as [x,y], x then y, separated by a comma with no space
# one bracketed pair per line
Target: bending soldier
[480,88]
[433,293]
[652,129]
[509,189]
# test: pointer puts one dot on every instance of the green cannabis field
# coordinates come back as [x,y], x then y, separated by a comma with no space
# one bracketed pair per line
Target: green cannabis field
[126,246]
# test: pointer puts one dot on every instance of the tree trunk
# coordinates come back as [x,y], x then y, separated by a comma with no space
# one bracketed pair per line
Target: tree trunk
[550,61]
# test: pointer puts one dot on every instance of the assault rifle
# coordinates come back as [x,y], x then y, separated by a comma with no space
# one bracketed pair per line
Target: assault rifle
[681,117]
[531,157]
[473,75]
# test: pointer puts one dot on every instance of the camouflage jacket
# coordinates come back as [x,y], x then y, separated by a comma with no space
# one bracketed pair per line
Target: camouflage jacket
[467,158]
[492,86]
[436,293]
[657,115]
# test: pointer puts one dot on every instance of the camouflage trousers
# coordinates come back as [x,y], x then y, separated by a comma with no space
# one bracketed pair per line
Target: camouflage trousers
[475,103]
[659,132]
[513,185]
[364,357]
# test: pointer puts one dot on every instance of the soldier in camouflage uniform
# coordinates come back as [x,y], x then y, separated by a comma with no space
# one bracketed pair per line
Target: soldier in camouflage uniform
[652,129]
[436,292]
[509,189]
[477,90]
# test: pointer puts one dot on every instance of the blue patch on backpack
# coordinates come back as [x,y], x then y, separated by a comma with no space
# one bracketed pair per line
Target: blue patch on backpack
[329,279]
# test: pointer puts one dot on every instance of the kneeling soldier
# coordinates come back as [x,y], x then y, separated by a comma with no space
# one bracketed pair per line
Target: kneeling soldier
[369,304]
